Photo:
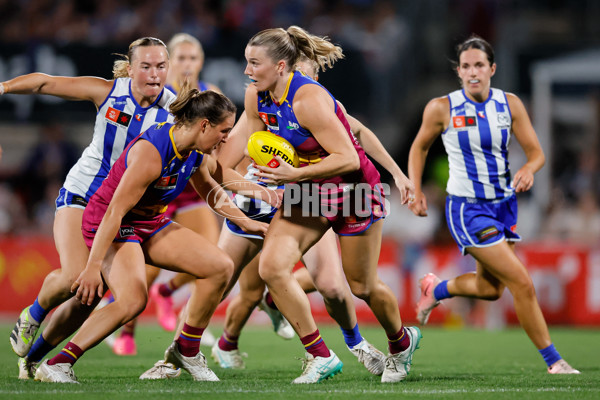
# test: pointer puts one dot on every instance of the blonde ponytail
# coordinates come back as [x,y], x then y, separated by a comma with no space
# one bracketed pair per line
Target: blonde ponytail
[291,44]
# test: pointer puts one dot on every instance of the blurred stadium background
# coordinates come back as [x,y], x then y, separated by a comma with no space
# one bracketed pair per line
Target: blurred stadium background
[397,58]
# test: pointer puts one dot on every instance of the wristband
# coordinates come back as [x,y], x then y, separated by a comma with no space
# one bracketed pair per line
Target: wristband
[1,89]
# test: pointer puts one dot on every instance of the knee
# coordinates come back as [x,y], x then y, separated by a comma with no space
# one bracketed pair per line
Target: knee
[132,304]
[523,288]
[224,270]
[331,290]
[271,271]
[221,271]
[362,290]
[252,297]
[65,279]
[491,294]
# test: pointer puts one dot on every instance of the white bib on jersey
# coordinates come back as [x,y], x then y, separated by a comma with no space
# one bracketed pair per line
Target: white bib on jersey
[477,145]
[119,120]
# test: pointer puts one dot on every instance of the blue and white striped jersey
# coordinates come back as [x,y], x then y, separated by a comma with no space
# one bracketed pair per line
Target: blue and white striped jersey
[119,120]
[476,141]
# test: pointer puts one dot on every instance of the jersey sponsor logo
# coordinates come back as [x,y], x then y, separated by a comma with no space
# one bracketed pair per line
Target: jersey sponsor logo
[78,200]
[487,233]
[125,231]
[351,219]
[116,117]
[481,114]
[138,117]
[513,228]
[167,182]
[269,119]
[463,121]
[292,125]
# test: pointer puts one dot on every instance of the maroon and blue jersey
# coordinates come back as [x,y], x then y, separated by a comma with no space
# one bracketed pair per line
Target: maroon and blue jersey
[279,117]
[176,171]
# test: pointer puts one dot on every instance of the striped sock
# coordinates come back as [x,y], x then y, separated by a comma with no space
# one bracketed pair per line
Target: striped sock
[68,355]
[228,342]
[315,345]
[189,340]
[399,341]
[39,349]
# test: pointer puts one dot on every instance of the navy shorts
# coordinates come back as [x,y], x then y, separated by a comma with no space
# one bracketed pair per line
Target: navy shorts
[68,199]
[481,223]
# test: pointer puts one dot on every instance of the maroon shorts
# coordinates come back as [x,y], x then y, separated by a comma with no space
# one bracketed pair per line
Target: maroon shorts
[130,230]
[350,208]
[358,213]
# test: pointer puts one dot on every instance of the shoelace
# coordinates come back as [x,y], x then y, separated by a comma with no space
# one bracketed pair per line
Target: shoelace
[362,355]
[68,371]
[237,358]
[391,364]
[28,328]
[306,365]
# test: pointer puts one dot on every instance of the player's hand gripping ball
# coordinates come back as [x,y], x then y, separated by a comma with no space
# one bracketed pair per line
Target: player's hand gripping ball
[263,146]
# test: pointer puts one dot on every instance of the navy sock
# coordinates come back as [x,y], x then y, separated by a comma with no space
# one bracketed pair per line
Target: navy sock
[37,312]
[441,291]
[352,337]
[550,355]
[39,349]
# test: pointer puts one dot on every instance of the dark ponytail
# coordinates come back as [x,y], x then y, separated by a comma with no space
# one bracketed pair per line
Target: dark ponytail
[191,105]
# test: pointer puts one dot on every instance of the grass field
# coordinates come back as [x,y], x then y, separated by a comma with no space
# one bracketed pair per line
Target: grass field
[451,364]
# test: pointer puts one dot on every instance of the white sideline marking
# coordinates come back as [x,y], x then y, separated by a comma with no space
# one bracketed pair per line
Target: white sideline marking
[318,391]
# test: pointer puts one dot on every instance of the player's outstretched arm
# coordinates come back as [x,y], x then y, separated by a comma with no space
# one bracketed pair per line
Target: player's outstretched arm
[71,88]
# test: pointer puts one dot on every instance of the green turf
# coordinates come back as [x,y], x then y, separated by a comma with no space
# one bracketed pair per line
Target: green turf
[451,364]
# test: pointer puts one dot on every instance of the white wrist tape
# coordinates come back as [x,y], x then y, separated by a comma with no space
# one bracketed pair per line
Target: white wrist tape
[1,89]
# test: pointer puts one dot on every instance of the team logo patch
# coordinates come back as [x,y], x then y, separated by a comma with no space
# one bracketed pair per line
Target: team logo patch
[167,182]
[117,117]
[269,119]
[126,231]
[463,121]
[503,119]
[487,233]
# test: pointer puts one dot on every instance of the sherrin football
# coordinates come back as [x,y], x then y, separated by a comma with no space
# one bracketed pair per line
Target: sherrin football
[263,146]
